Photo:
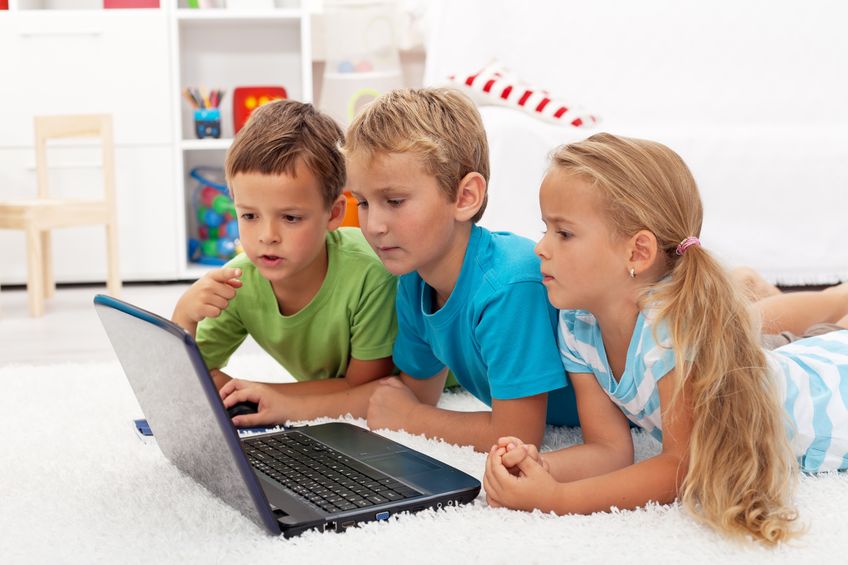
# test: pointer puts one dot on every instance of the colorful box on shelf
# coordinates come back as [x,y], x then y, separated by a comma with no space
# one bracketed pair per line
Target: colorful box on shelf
[247,98]
[207,122]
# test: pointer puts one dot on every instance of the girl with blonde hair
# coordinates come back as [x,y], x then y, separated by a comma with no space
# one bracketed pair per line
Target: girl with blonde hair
[653,330]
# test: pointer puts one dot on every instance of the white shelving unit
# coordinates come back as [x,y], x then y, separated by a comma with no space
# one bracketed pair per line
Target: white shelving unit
[223,49]
[73,56]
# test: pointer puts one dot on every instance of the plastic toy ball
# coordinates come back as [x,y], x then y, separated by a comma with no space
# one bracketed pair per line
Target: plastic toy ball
[207,195]
[216,227]
[345,67]
[225,247]
[201,214]
[364,67]
[212,218]
[210,247]
[223,205]
[232,230]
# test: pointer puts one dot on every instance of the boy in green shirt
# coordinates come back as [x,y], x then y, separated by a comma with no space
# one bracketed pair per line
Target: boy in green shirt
[311,294]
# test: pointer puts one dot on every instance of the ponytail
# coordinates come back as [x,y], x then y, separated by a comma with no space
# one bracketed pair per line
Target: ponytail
[741,469]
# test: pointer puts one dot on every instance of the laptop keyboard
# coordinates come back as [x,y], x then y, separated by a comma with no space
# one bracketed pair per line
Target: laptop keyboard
[321,475]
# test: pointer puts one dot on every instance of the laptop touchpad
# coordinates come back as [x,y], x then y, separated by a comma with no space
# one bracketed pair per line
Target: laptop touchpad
[401,464]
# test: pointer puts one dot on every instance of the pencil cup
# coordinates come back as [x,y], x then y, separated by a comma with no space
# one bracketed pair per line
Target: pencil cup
[207,122]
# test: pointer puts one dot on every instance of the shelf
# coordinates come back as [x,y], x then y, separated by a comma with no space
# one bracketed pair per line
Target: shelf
[205,144]
[223,15]
[224,49]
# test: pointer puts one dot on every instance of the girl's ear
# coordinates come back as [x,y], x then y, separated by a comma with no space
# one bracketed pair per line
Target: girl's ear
[470,196]
[643,250]
[337,213]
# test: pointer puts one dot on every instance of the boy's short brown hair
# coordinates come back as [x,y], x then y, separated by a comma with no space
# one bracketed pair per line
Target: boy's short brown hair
[280,133]
[440,125]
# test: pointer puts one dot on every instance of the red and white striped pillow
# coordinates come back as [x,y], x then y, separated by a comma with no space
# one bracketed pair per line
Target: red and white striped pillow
[496,85]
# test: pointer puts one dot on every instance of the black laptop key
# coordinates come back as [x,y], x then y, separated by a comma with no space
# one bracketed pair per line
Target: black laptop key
[322,476]
[406,492]
[372,474]
[376,499]
[391,495]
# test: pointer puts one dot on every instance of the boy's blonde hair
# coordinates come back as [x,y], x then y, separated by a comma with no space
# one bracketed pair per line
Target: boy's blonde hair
[440,125]
[741,469]
[281,133]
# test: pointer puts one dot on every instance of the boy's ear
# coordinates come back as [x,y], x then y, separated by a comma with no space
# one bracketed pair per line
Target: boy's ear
[470,196]
[643,249]
[337,213]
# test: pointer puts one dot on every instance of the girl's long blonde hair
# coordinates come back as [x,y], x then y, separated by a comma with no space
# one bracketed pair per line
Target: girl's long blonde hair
[741,470]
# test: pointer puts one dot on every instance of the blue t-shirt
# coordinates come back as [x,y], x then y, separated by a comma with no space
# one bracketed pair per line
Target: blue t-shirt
[496,332]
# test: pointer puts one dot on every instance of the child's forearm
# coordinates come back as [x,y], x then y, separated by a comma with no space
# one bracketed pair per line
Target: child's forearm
[326,398]
[219,377]
[656,479]
[477,429]
[184,321]
[587,460]
[303,388]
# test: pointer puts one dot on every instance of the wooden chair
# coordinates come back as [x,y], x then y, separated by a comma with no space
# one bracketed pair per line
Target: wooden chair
[37,217]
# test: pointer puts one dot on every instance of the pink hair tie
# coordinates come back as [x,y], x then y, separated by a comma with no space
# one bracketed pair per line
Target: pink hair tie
[687,243]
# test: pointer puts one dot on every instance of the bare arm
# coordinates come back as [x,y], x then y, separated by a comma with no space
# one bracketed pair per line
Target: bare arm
[397,405]
[481,430]
[220,378]
[359,372]
[281,402]
[656,479]
[429,390]
[607,443]
[206,298]
[797,311]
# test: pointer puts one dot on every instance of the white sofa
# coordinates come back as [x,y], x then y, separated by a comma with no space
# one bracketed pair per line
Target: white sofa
[752,94]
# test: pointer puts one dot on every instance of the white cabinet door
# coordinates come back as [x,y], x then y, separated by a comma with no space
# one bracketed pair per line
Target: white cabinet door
[152,248]
[147,217]
[109,61]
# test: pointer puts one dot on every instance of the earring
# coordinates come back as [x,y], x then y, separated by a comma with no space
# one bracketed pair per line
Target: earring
[632,273]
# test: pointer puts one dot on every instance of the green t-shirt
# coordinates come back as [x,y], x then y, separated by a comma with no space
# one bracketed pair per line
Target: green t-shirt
[352,315]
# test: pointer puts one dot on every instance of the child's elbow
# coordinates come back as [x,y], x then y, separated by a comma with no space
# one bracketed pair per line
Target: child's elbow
[620,455]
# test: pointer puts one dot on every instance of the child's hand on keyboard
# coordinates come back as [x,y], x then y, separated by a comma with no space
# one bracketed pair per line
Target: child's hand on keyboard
[270,403]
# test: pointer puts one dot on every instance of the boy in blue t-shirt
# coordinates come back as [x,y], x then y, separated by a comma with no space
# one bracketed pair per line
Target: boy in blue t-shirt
[469,300]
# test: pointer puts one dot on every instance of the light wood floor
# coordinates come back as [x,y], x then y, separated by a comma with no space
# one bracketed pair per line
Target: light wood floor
[70,330]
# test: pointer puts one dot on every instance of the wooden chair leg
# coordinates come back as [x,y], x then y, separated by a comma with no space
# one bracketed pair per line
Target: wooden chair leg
[35,278]
[47,264]
[113,276]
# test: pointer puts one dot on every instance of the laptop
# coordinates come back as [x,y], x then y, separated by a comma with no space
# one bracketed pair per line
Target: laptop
[326,477]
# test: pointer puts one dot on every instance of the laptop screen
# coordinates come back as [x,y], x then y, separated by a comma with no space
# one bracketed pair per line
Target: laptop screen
[165,370]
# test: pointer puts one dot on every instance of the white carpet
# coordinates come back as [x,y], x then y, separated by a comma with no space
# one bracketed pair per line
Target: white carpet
[77,486]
